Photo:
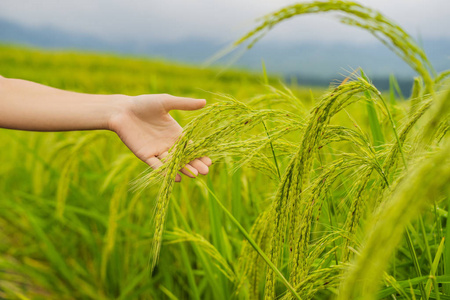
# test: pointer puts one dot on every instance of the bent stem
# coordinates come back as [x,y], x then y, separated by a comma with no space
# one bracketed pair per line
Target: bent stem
[391,119]
[273,151]
[253,243]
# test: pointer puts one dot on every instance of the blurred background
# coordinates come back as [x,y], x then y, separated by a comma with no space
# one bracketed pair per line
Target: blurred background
[312,50]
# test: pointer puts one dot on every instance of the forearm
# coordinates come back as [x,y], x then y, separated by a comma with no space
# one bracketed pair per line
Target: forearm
[27,105]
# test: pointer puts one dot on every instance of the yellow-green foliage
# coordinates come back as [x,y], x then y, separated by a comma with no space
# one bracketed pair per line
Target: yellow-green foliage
[70,227]
[344,195]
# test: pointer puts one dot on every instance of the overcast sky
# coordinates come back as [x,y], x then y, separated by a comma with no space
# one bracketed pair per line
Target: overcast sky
[222,20]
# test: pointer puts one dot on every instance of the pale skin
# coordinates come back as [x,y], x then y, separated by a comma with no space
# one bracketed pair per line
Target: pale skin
[143,123]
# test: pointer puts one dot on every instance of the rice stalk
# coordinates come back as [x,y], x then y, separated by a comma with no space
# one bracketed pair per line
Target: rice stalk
[355,212]
[354,14]
[212,134]
[320,117]
[111,232]
[250,263]
[392,154]
[63,187]
[415,192]
[320,279]
[178,235]
[255,246]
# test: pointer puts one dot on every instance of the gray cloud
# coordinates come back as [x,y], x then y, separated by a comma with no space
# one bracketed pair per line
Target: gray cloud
[213,19]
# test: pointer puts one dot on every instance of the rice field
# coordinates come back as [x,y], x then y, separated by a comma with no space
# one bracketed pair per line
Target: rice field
[313,194]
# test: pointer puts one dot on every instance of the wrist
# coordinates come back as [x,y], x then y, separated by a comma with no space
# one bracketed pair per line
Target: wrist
[118,107]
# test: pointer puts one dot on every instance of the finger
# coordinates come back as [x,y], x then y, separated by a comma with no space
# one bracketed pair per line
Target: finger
[206,160]
[189,171]
[182,103]
[200,166]
[155,163]
[163,156]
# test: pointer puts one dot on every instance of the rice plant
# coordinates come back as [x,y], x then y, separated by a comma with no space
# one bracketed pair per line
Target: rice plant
[341,196]
[307,179]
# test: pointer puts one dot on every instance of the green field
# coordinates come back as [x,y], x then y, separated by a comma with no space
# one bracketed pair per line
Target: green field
[313,194]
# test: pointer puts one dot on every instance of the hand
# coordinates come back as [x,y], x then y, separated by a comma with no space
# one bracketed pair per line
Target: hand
[147,129]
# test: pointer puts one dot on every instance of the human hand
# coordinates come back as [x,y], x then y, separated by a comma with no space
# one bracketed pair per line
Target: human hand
[145,126]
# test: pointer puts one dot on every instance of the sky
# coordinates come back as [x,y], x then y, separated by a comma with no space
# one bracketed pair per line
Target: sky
[216,20]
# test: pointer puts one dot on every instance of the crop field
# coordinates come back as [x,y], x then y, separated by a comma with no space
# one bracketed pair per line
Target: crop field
[339,193]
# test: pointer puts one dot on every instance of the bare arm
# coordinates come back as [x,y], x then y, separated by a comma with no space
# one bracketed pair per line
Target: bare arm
[27,105]
[142,122]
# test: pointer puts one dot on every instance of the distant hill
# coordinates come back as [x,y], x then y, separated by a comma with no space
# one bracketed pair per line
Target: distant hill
[310,63]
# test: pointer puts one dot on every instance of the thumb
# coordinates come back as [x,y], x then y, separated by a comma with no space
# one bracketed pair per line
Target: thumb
[182,103]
